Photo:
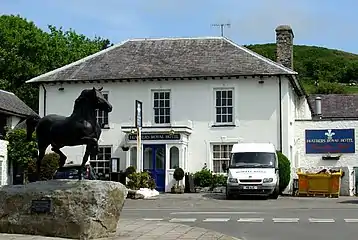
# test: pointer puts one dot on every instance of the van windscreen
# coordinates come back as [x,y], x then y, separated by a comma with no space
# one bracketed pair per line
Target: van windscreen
[253,159]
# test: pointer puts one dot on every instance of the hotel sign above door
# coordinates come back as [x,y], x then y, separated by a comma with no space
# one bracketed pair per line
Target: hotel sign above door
[155,136]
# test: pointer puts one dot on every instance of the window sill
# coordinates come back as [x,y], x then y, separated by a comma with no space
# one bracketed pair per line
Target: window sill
[222,125]
[105,127]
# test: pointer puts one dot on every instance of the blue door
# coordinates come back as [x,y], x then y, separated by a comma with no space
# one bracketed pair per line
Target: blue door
[154,162]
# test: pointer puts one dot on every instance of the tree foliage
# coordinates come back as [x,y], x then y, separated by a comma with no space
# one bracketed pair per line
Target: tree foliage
[26,51]
[20,151]
[328,67]
[49,165]
[284,167]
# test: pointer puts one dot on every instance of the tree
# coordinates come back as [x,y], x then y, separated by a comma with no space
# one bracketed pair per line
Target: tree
[20,151]
[284,167]
[26,51]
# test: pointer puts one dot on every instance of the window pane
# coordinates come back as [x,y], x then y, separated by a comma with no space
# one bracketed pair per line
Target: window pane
[218,102]
[166,103]
[156,119]
[224,110]
[156,103]
[218,110]
[218,94]
[161,119]
[156,95]
[229,94]
[174,157]
[161,95]
[167,95]
[223,94]
[148,158]
[216,148]
[224,118]
[167,111]
[159,158]
[229,110]
[156,112]
[229,102]
[218,118]
[167,119]
[161,111]
[229,118]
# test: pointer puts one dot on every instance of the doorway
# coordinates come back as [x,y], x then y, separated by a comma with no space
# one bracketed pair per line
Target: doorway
[154,158]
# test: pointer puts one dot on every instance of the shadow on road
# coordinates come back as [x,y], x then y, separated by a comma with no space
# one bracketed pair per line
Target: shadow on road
[219,196]
[351,201]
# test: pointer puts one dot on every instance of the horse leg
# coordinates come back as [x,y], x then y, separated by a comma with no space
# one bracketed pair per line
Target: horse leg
[84,160]
[42,150]
[63,157]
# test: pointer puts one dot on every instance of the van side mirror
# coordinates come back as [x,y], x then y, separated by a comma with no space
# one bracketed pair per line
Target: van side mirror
[224,167]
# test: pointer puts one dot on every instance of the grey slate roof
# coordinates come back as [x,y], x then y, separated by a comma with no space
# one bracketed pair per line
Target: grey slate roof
[11,104]
[165,58]
[337,105]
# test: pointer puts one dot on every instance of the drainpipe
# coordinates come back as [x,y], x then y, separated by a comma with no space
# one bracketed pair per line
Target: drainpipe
[280,109]
[44,100]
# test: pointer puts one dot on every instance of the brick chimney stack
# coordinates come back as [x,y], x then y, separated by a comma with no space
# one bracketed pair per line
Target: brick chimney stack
[284,46]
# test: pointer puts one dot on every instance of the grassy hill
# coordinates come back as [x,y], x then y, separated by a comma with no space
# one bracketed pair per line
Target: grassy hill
[335,70]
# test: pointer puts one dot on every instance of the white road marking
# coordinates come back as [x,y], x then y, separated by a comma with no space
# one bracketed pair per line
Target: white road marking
[322,220]
[153,219]
[351,220]
[220,213]
[285,220]
[216,220]
[251,220]
[182,220]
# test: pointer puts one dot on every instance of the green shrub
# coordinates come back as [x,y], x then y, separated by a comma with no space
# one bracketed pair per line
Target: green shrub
[203,178]
[218,180]
[284,167]
[178,174]
[206,178]
[139,180]
[49,165]
[130,170]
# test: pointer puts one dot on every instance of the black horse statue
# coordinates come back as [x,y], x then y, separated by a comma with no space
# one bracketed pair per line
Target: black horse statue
[80,128]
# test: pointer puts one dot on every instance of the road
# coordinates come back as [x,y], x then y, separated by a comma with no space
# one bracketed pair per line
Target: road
[287,218]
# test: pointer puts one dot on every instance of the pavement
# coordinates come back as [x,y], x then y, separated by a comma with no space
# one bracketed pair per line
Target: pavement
[288,218]
[144,230]
[211,216]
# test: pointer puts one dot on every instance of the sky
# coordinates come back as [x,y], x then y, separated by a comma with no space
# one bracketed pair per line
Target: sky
[326,23]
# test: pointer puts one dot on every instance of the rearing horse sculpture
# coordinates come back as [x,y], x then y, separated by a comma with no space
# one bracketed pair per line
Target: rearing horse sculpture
[80,128]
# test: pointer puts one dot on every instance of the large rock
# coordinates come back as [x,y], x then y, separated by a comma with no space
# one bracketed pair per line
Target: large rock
[80,209]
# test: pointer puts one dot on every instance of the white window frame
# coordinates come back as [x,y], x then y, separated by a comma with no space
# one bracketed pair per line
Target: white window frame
[222,158]
[94,162]
[232,106]
[170,106]
[105,115]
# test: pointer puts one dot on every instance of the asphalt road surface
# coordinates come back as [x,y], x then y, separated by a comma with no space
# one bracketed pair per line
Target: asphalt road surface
[287,218]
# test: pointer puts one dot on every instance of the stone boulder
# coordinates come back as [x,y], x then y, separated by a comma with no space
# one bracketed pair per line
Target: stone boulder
[83,209]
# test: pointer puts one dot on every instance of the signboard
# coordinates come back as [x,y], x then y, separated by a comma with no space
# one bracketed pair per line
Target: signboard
[330,141]
[155,136]
[138,114]
[41,206]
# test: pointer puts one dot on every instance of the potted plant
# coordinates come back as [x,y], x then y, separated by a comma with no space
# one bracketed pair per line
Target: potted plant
[178,176]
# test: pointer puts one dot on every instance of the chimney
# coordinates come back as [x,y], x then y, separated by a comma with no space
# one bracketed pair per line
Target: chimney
[318,103]
[284,46]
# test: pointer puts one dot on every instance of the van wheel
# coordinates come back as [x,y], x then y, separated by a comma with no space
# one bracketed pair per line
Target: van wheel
[229,196]
[274,195]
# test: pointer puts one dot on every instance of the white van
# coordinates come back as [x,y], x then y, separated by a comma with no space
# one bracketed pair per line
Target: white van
[253,170]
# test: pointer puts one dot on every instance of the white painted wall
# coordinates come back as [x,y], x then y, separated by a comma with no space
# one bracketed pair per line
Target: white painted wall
[314,162]
[192,102]
[5,177]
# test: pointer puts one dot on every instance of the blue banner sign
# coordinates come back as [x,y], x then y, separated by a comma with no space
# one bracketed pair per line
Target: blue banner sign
[330,141]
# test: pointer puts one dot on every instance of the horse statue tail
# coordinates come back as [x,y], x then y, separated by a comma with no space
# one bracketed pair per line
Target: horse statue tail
[31,123]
